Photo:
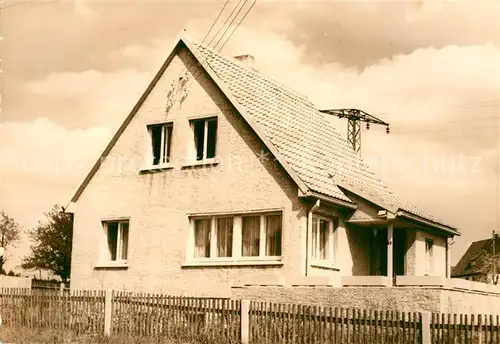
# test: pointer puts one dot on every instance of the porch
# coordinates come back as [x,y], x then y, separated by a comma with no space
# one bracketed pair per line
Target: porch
[394,249]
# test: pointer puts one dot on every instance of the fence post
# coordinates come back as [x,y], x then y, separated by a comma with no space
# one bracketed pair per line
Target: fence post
[425,328]
[245,321]
[61,289]
[108,299]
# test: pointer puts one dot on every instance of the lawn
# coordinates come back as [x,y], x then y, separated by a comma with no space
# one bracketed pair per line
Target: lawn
[51,336]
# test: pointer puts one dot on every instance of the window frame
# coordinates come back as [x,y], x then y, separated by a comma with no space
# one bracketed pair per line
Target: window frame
[165,147]
[105,256]
[429,256]
[206,120]
[332,241]
[237,257]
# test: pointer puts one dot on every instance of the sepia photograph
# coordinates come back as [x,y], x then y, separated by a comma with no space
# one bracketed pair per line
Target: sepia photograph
[249,171]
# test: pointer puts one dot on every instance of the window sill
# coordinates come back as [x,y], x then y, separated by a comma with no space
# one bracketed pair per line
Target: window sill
[112,265]
[156,168]
[324,264]
[250,261]
[201,163]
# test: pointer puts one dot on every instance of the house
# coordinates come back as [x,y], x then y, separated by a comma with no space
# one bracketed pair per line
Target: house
[220,173]
[476,262]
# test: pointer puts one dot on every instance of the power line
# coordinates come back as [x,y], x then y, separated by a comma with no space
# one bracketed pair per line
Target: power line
[237,13]
[229,37]
[244,16]
[213,24]
[215,21]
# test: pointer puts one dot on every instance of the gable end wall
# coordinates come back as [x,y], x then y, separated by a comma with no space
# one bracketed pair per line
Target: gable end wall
[158,203]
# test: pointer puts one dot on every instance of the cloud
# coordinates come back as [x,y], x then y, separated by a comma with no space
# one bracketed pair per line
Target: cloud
[96,98]
[442,104]
[41,164]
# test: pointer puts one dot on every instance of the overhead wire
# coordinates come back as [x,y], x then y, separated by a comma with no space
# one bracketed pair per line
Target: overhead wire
[217,50]
[196,74]
[206,36]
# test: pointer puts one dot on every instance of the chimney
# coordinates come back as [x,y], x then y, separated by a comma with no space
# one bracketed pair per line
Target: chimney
[246,60]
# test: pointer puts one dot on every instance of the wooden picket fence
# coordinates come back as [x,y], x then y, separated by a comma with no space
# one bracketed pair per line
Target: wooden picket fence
[235,321]
[464,328]
[290,323]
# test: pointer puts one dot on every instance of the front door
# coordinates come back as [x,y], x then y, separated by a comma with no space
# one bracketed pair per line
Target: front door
[399,251]
[378,254]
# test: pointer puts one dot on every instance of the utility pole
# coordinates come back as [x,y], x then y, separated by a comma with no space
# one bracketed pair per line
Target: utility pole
[354,116]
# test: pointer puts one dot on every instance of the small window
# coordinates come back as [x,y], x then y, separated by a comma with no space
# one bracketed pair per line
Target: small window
[429,248]
[323,238]
[205,137]
[117,233]
[161,142]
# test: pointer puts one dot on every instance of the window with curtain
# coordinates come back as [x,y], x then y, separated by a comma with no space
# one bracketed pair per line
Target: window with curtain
[225,237]
[323,237]
[250,233]
[202,229]
[273,235]
[237,235]
[324,229]
[314,244]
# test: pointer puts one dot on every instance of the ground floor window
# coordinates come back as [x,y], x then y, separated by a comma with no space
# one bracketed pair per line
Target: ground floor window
[429,256]
[117,234]
[237,236]
[324,238]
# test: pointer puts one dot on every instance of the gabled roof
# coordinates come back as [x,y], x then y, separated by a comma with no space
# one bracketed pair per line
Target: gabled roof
[303,141]
[466,265]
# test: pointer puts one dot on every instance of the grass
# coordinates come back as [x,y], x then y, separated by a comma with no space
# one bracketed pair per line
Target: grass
[51,336]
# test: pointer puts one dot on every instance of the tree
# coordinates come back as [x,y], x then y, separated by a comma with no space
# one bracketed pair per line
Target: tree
[488,266]
[9,234]
[52,244]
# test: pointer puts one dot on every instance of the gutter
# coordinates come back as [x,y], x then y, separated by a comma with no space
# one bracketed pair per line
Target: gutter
[332,200]
[427,222]
[308,231]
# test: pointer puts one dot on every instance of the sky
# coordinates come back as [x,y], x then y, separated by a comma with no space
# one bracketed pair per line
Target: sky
[72,70]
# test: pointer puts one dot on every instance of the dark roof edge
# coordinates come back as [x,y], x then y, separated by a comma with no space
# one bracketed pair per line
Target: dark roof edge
[255,127]
[331,200]
[427,222]
[126,122]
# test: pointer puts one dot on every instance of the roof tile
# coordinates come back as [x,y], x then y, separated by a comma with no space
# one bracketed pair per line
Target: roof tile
[310,144]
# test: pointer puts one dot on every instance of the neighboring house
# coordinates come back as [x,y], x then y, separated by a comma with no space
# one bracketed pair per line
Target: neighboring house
[476,263]
[229,175]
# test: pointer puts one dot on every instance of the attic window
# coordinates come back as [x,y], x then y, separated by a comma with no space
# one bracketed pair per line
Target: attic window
[161,141]
[205,137]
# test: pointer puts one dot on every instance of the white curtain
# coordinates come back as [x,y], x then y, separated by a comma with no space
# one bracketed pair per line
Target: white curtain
[314,238]
[273,235]
[225,237]
[250,233]
[202,238]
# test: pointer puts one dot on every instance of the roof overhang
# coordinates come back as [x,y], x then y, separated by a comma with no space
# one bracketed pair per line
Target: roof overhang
[427,223]
[397,212]
[328,199]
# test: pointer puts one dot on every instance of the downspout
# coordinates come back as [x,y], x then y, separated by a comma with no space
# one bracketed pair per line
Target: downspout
[309,232]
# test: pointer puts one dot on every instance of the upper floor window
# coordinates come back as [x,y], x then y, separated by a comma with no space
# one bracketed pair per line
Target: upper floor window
[323,238]
[205,137]
[161,142]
